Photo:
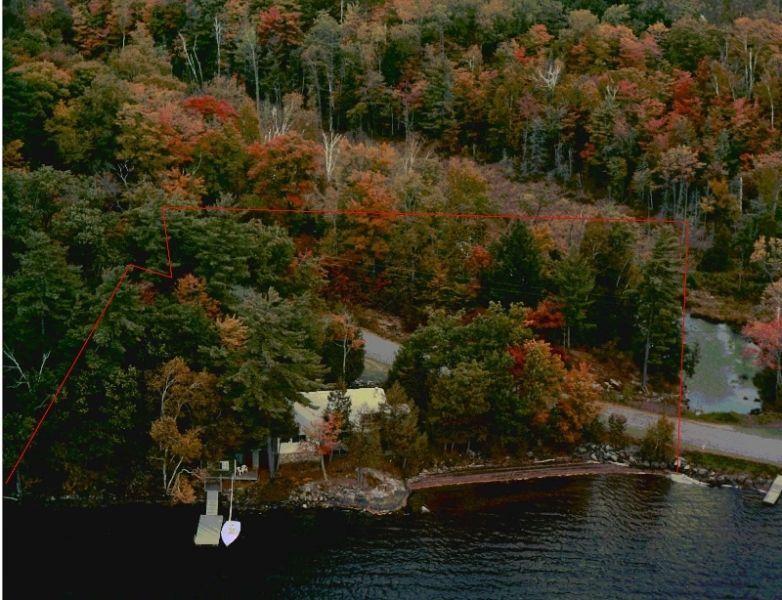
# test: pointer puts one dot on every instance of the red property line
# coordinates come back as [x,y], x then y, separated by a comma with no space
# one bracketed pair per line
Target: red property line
[130,267]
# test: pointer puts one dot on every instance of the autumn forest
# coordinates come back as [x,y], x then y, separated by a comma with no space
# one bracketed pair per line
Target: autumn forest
[113,109]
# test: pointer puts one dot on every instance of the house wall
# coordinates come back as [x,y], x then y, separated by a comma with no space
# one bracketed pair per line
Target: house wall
[293,452]
[296,457]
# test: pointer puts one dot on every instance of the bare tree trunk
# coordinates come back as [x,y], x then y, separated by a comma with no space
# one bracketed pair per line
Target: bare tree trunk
[254,58]
[218,30]
[323,468]
[174,475]
[345,351]
[330,83]
[647,347]
[165,470]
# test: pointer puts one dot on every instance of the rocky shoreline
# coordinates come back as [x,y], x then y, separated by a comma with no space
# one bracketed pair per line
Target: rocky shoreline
[377,492]
[605,453]
[380,493]
[372,491]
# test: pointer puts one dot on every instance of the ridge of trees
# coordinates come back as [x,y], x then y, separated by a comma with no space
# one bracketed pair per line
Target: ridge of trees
[114,108]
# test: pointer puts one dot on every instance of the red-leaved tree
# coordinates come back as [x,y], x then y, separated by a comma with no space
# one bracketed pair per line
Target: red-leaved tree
[323,436]
[767,337]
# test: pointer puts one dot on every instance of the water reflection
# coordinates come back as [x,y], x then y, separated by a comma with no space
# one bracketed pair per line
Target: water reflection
[592,537]
[722,381]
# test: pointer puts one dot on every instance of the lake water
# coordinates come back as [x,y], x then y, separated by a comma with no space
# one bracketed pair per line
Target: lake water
[601,537]
[722,381]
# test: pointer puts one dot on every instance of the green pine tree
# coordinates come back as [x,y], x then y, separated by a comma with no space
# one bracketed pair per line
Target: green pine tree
[575,282]
[277,362]
[658,310]
[516,272]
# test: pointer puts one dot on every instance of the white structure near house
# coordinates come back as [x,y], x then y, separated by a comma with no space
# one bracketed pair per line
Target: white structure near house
[362,401]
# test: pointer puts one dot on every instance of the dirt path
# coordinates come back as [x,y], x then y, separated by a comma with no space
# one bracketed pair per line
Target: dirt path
[498,475]
[710,437]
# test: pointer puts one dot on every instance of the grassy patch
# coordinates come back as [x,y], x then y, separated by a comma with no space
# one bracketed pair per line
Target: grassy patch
[727,464]
[765,419]
[719,417]
[718,309]
[769,418]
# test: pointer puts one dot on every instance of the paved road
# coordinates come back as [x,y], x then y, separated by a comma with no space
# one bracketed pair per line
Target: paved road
[708,437]
[378,348]
[721,439]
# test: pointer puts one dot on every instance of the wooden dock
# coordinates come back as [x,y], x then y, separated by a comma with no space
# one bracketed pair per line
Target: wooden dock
[774,491]
[210,523]
[208,532]
[212,502]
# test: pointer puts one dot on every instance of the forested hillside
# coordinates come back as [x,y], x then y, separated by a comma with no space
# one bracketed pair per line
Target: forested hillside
[113,109]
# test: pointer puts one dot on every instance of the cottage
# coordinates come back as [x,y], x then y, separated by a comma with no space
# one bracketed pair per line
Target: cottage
[362,401]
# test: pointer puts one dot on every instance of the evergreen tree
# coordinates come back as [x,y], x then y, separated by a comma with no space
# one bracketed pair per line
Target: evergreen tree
[458,412]
[339,404]
[41,295]
[437,113]
[609,250]
[364,446]
[516,271]
[276,363]
[617,431]
[401,437]
[575,282]
[658,310]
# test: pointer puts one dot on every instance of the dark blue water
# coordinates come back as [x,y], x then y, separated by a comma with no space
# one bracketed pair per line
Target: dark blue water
[603,537]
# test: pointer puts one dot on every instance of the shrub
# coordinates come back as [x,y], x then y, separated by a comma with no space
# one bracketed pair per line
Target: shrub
[657,443]
[617,436]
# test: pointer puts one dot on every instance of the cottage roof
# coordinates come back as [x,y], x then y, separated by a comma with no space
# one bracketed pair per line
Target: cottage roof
[362,401]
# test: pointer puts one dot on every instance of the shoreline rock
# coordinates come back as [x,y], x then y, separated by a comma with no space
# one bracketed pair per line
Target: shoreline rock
[377,493]
[605,453]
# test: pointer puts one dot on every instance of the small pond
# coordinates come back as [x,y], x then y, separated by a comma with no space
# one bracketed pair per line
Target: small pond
[722,381]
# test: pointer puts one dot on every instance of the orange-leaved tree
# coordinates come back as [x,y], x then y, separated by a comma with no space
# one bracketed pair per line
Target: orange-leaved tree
[576,408]
[183,394]
[283,171]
